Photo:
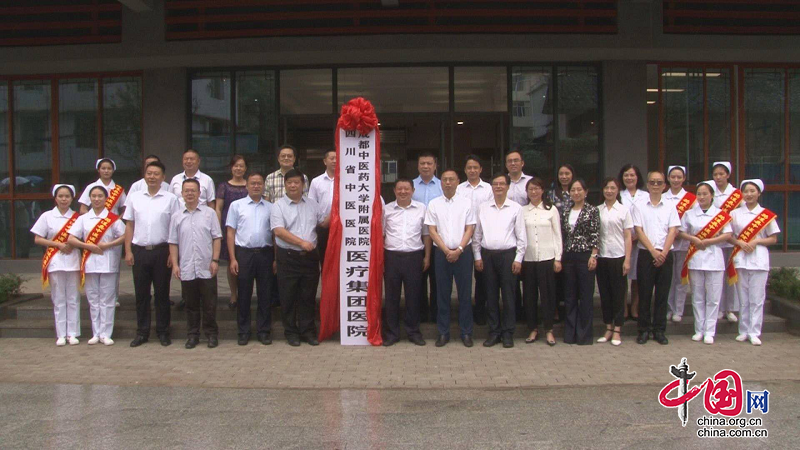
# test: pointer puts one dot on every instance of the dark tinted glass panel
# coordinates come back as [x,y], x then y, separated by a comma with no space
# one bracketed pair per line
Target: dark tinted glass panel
[211,119]
[25,214]
[5,226]
[32,136]
[718,91]
[397,89]
[775,202]
[764,124]
[122,127]
[579,121]
[77,131]
[532,119]
[256,122]
[4,180]
[794,126]
[682,94]
[792,232]
[307,91]
[480,89]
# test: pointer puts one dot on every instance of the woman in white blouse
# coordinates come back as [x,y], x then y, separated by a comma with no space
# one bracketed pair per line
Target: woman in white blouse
[613,259]
[729,298]
[105,169]
[542,259]
[102,264]
[62,264]
[706,266]
[752,261]
[631,178]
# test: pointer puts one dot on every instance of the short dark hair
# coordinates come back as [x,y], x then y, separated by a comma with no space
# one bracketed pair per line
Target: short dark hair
[102,189]
[237,158]
[658,172]
[536,181]
[290,147]
[330,150]
[191,150]
[615,181]
[404,180]
[158,164]
[191,180]
[294,173]
[426,154]
[639,179]
[255,173]
[503,176]
[152,156]
[578,181]
[513,151]
[450,169]
[473,158]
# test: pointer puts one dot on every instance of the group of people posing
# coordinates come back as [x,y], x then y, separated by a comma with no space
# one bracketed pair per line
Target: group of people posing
[272,230]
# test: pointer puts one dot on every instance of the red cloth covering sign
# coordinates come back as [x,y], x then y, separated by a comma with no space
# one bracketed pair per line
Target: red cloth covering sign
[352,276]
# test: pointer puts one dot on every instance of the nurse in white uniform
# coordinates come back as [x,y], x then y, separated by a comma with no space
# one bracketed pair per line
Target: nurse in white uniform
[105,168]
[721,172]
[101,268]
[752,260]
[61,264]
[706,265]
[676,176]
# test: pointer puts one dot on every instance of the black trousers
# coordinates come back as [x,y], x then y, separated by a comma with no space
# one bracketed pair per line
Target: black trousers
[322,244]
[150,268]
[298,278]
[402,269]
[479,308]
[612,285]
[658,279]
[255,264]
[499,279]
[539,280]
[578,298]
[200,296]
[428,307]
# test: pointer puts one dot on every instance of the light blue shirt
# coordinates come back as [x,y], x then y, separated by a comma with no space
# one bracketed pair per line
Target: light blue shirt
[425,192]
[251,221]
[299,218]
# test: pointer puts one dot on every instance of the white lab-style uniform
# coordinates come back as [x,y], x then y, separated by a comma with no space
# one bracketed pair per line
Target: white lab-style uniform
[629,201]
[63,272]
[86,201]
[753,271]
[677,291]
[729,298]
[102,272]
[706,272]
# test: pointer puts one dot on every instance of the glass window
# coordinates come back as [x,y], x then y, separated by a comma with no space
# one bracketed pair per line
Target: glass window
[480,89]
[4,180]
[122,127]
[256,122]
[579,121]
[764,124]
[532,118]
[397,89]
[794,126]
[25,214]
[792,232]
[682,94]
[211,119]
[307,91]
[775,201]
[718,92]
[77,131]
[5,227]
[32,138]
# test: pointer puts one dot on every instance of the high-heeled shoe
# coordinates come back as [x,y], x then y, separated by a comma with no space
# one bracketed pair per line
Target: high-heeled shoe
[616,342]
[530,340]
[232,306]
[606,337]
[551,340]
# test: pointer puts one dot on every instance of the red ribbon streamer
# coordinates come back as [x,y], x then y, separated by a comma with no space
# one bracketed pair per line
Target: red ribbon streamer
[358,114]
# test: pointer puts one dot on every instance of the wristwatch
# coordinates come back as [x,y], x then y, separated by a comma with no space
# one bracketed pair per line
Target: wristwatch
[594,256]
[215,260]
[461,248]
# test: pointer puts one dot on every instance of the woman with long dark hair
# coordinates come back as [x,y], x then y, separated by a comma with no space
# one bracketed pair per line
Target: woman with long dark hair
[228,192]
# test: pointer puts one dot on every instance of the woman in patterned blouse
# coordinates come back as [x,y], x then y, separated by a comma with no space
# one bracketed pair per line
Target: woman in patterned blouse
[559,193]
[580,226]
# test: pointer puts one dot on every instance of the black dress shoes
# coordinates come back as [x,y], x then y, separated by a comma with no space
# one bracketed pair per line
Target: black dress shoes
[442,341]
[138,340]
[213,341]
[243,339]
[265,338]
[642,337]
[416,340]
[165,340]
[311,340]
[508,341]
[660,338]
[389,342]
[192,342]
[492,341]
[467,340]
[294,341]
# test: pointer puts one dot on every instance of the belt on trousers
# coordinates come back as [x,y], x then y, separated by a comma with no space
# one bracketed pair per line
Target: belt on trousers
[399,253]
[301,253]
[151,247]
[267,248]
[486,251]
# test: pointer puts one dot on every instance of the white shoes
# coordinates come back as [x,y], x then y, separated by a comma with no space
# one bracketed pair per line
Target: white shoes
[107,341]
[73,340]
[731,317]
[669,316]
[93,340]
[616,342]
[602,340]
[697,337]
[755,340]
[61,342]
[708,340]
[741,338]
[676,318]
[117,304]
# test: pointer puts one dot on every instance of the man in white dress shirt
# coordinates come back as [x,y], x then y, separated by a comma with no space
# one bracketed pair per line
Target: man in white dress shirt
[147,216]
[141,184]
[426,188]
[514,164]
[656,224]
[407,253]
[499,246]
[479,192]
[191,170]
[321,191]
[451,223]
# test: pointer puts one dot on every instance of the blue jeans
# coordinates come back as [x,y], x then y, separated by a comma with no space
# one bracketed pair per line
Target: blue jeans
[461,270]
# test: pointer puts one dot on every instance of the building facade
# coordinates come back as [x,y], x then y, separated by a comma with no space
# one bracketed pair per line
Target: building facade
[592,83]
